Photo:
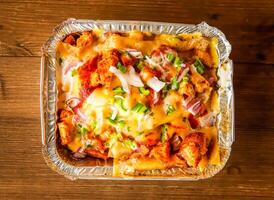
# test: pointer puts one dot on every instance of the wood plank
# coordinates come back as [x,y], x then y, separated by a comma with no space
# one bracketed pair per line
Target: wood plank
[24,27]
[24,175]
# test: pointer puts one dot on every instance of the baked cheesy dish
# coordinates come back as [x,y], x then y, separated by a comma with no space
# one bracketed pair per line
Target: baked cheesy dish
[147,101]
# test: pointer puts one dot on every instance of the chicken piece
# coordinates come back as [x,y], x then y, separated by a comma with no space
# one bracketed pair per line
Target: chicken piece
[85,72]
[177,161]
[150,139]
[161,152]
[96,154]
[86,39]
[96,149]
[142,151]
[205,58]
[128,60]
[66,128]
[66,132]
[200,83]
[110,58]
[70,40]
[65,115]
[201,43]
[175,143]
[164,50]
[193,147]
[138,35]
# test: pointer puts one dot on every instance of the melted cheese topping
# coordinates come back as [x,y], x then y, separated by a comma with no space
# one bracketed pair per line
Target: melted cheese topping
[110,122]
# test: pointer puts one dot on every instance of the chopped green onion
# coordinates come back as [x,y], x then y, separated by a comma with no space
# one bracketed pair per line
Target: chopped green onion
[170,57]
[199,66]
[174,84]
[144,91]
[121,123]
[178,62]
[121,67]
[82,130]
[140,133]
[120,103]
[139,108]
[140,65]
[165,90]
[185,79]
[170,109]
[118,90]
[130,144]
[164,133]
[112,121]
[116,121]
[93,125]
[74,72]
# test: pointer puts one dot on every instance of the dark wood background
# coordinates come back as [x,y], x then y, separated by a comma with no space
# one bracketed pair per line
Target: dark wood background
[25,26]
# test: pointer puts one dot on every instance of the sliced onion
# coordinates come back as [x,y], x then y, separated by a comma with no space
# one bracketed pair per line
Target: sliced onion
[135,53]
[133,78]
[80,153]
[114,112]
[80,116]
[155,97]
[182,74]
[119,96]
[121,77]
[153,63]
[183,65]
[194,107]
[164,59]
[73,102]
[186,101]
[70,64]
[175,143]
[155,84]
[207,120]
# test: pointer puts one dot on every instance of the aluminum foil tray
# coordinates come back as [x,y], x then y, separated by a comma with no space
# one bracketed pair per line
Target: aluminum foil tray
[95,170]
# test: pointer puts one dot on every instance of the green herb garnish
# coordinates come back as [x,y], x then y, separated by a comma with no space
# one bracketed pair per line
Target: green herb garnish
[178,62]
[170,57]
[112,121]
[199,66]
[121,123]
[140,65]
[144,91]
[139,108]
[170,109]
[185,79]
[118,90]
[81,129]
[74,72]
[164,133]
[130,144]
[165,90]
[121,67]
[93,125]
[120,103]
[174,84]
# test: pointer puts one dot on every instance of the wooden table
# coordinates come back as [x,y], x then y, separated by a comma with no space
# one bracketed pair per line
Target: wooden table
[25,26]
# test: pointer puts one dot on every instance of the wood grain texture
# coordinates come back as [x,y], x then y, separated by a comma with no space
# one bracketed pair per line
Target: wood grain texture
[25,25]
